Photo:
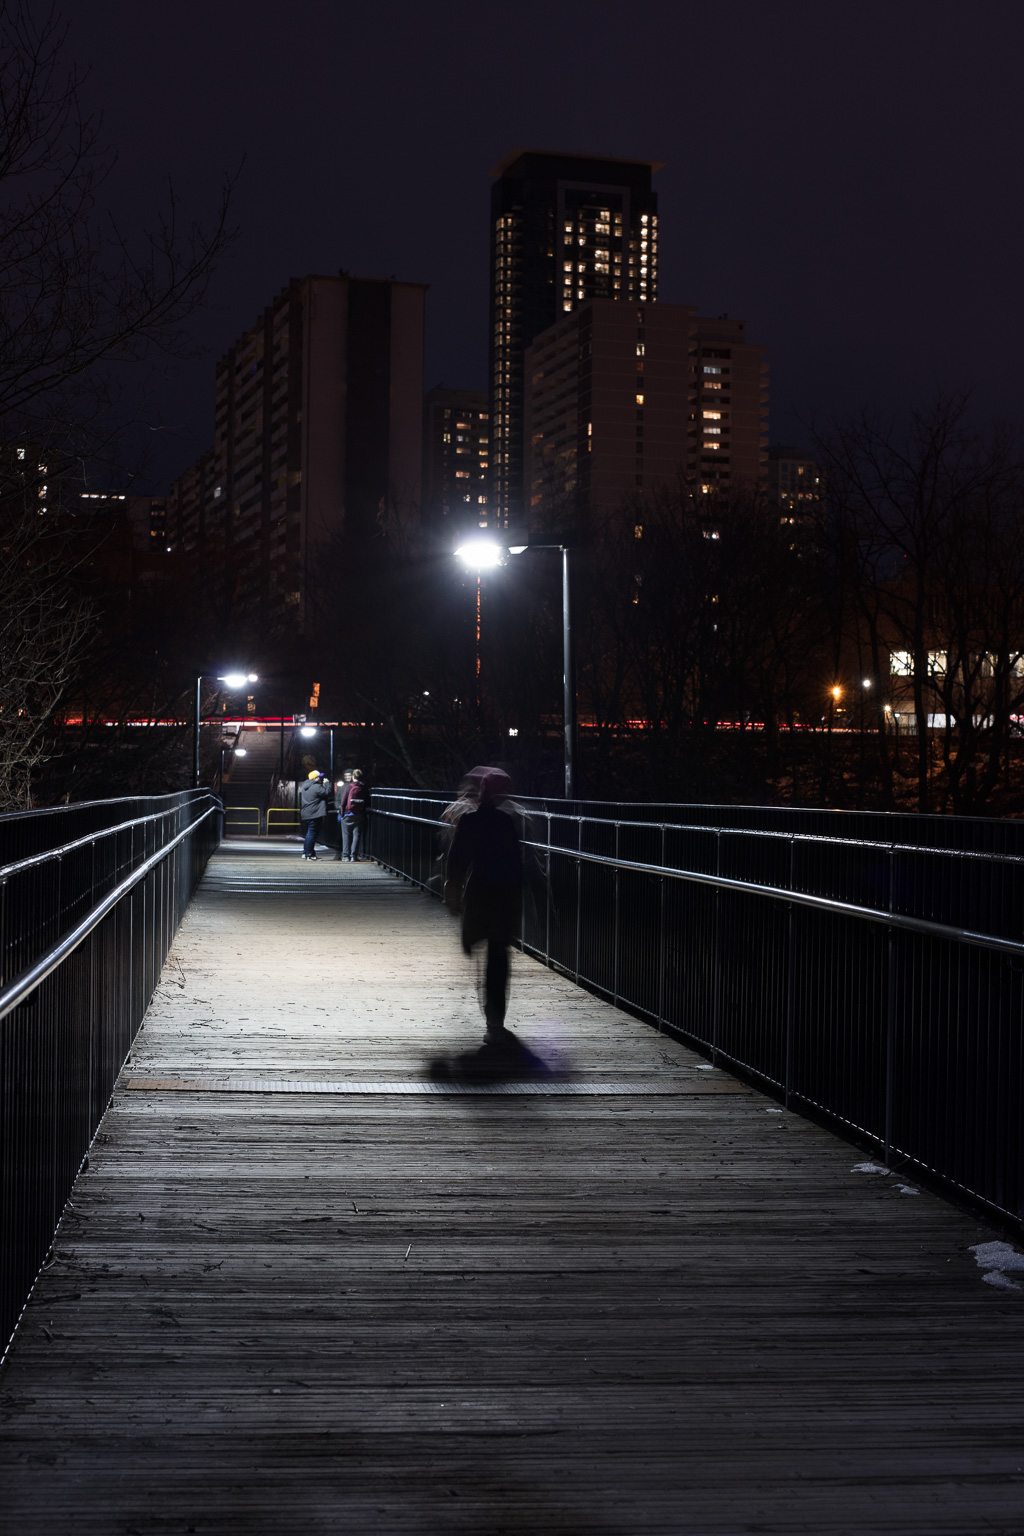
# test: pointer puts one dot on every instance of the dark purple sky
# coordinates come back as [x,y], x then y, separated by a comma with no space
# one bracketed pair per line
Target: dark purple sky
[846,179]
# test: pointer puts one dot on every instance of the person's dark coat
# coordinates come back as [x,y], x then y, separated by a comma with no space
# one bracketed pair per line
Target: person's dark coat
[313,798]
[485,862]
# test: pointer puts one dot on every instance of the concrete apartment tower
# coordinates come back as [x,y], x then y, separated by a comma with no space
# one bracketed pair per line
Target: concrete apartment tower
[318,433]
[456,459]
[565,229]
[623,399]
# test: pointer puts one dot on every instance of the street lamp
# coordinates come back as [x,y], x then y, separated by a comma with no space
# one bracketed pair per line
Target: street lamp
[482,553]
[233,680]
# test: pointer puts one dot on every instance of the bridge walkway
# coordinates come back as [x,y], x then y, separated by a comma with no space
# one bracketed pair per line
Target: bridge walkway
[300,1290]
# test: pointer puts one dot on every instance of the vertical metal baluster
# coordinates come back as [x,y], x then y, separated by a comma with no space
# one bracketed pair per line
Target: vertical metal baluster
[661,939]
[790,981]
[615,932]
[579,890]
[890,1023]
[547,894]
[716,1000]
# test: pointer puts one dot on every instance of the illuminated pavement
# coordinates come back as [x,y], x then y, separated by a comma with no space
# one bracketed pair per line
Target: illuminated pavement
[305,1288]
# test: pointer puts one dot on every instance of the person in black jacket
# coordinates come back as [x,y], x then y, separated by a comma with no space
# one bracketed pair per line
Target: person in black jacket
[313,798]
[484,879]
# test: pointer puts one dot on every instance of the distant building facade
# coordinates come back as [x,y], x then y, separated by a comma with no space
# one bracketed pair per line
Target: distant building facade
[624,398]
[565,230]
[456,458]
[795,481]
[318,432]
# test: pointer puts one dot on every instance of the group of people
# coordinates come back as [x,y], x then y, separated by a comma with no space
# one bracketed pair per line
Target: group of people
[351,802]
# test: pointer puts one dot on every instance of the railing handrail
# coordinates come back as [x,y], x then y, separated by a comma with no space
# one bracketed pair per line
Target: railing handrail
[85,805]
[774,892]
[789,837]
[7,870]
[13,995]
[931,817]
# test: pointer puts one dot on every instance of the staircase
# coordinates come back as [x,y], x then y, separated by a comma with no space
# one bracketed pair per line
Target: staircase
[249,780]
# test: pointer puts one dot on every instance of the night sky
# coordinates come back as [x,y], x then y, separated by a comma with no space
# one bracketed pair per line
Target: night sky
[846,179]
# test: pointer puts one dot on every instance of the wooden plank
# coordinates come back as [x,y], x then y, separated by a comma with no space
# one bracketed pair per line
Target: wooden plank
[284,1310]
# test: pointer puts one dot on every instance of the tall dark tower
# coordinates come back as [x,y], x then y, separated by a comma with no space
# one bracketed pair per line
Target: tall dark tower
[564,229]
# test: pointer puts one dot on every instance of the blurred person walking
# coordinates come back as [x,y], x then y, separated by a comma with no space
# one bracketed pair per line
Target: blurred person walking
[354,804]
[313,798]
[484,880]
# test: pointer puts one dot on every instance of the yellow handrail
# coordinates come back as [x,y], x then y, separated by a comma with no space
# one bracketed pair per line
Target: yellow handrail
[286,816]
[248,811]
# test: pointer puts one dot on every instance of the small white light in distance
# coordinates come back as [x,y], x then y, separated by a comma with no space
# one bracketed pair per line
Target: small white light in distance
[513,730]
[308,730]
[240,751]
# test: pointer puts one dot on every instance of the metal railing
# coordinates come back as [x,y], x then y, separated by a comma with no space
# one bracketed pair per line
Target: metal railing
[876,984]
[243,818]
[285,820]
[85,926]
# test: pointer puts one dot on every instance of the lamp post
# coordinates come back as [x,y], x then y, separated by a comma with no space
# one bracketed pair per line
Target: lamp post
[233,680]
[484,553]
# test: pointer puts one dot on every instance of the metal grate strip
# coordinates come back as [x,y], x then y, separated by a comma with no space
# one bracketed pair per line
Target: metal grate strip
[545,1087]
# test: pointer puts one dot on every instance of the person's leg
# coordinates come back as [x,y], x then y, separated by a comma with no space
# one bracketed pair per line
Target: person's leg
[309,838]
[496,985]
[346,839]
[357,837]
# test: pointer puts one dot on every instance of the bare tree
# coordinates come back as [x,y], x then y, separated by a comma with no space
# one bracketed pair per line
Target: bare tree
[83,303]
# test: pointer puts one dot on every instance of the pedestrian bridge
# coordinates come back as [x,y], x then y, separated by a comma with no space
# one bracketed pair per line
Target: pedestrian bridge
[303,1285]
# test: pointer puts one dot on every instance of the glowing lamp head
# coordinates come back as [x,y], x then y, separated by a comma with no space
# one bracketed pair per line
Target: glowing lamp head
[481,554]
[837,693]
[238,679]
[240,751]
[307,730]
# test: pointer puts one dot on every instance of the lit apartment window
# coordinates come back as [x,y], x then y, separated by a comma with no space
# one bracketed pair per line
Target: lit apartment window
[639,399]
[712,368]
[712,415]
[711,384]
[638,530]
[901,664]
[716,430]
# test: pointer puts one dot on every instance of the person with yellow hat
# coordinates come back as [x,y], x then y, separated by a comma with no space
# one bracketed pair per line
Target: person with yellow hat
[313,798]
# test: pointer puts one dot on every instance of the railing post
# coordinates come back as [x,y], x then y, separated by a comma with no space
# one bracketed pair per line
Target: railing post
[615,929]
[790,962]
[661,939]
[890,1020]
[716,1000]
[579,890]
[547,897]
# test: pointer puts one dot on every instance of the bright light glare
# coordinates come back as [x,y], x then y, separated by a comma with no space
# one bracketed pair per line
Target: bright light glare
[307,730]
[867,682]
[240,751]
[518,549]
[480,554]
[234,679]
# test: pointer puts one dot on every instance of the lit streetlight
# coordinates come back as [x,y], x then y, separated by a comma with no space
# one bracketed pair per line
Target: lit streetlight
[234,680]
[483,553]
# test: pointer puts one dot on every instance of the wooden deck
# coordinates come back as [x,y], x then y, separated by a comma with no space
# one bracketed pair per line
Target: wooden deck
[302,1291]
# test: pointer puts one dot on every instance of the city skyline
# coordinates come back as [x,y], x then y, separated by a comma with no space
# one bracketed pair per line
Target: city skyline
[817,182]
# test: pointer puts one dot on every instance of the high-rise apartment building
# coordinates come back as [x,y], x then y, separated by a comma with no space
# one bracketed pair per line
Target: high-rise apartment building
[456,458]
[565,229]
[318,432]
[794,479]
[626,398]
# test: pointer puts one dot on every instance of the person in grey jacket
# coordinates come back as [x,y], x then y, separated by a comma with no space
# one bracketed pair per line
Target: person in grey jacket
[313,798]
